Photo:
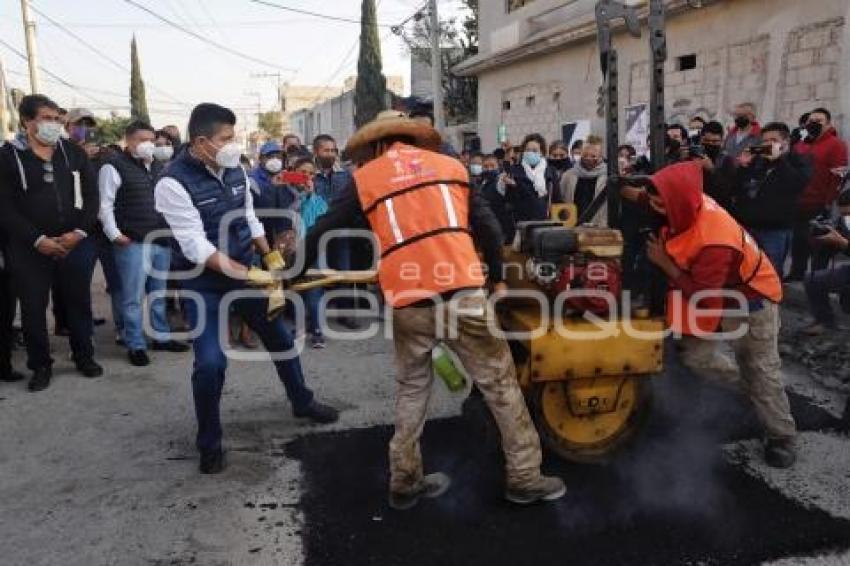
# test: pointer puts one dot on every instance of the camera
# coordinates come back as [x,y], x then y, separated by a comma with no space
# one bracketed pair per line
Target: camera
[818,228]
[765,149]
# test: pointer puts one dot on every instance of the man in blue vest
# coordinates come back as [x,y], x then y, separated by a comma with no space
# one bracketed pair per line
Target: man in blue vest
[204,197]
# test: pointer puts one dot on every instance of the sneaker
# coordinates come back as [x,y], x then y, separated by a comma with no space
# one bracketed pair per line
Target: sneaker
[319,413]
[317,342]
[138,358]
[89,368]
[170,346]
[119,341]
[98,321]
[212,462]
[432,486]
[40,379]
[544,489]
[780,452]
[10,376]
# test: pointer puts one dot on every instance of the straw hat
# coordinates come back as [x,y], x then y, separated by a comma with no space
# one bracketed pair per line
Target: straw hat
[391,123]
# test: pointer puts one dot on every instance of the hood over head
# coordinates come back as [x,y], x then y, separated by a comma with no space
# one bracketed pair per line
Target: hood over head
[680,186]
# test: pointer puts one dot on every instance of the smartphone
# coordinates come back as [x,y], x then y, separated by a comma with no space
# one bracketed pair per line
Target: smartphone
[293,178]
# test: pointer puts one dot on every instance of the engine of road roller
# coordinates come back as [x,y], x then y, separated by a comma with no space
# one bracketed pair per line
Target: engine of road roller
[581,265]
[584,364]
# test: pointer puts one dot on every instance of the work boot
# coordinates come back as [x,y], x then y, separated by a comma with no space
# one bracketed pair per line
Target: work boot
[212,461]
[780,452]
[432,486]
[138,358]
[9,375]
[40,379]
[89,368]
[544,489]
[318,412]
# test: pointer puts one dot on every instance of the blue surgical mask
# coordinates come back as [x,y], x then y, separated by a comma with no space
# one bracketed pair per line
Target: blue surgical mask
[475,169]
[531,158]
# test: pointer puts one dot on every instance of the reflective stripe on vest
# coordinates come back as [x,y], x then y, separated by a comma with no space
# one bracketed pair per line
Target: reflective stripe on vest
[716,227]
[417,204]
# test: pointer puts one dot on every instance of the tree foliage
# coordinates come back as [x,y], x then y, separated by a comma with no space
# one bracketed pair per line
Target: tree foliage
[370,92]
[111,130]
[271,123]
[459,40]
[138,100]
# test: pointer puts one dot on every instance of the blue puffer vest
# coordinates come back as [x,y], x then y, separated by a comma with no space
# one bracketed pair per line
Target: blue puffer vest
[214,199]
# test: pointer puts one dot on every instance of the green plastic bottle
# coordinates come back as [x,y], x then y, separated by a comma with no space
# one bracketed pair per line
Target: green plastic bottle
[444,366]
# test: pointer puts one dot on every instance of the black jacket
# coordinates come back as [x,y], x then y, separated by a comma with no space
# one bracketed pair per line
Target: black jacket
[527,205]
[135,210]
[33,207]
[765,194]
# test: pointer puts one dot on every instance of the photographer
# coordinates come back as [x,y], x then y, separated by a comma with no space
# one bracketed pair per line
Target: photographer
[768,185]
[718,167]
[819,284]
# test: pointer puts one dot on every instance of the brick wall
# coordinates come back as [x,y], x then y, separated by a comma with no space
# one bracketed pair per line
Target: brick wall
[810,70]
[534,108]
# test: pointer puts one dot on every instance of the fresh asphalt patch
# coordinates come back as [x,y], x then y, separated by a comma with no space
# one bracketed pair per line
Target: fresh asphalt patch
[670,498]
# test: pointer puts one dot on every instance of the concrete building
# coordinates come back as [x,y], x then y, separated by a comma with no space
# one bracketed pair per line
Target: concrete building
[332,111]
[8,108]
[538,65]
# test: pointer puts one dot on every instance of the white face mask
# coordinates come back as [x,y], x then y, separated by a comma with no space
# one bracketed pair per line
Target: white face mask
[163,152]
[274,165]
[144,151]
[49,133]
[228,155]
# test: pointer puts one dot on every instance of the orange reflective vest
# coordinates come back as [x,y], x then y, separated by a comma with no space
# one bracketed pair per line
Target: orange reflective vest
[716,227]
[417,204]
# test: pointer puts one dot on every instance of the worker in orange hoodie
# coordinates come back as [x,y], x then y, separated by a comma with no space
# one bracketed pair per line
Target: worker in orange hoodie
[702,249]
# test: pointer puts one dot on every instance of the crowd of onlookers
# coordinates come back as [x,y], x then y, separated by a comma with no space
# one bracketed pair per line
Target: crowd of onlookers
[68,202]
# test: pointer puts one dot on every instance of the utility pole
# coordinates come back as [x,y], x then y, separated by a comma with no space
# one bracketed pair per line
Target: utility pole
[279,78]
[436,67]
[32,55]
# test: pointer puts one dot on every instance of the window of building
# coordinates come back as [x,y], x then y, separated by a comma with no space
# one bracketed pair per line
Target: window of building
[506,105]
[686,62]
[517,4]
[556,97]
[530,101]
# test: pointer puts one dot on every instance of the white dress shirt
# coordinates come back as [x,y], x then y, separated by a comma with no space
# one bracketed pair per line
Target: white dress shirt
[109,181]
[175,204]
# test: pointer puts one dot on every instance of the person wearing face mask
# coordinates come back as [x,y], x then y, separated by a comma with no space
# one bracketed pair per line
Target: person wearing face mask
[48,207]
[718,167]
[270,195]
[131,223]
[492,188]
[766,192]
[164,145]
[584,182]
[827,152]
[559,157]
[205,198]
[476,170]
[745,133]
[531,185]
[330,180]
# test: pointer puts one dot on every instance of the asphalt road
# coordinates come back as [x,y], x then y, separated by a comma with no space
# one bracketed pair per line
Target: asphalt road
[96,472]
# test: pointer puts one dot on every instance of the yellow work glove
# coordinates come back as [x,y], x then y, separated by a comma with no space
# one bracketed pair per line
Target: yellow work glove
[260,278]
[277,301]
[274,261]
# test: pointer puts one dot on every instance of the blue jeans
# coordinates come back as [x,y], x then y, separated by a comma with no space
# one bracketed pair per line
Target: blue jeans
[135,264]
[776,244]
[819,284]
[312,300]
[211,363]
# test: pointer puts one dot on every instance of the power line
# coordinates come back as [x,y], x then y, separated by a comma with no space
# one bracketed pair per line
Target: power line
[59,79]
[99,52]
[314,14]
[207,40]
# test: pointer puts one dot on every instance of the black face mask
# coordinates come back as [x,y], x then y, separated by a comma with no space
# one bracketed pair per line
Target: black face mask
[815,130]
[712,151]
[559,164]
[742,122]
[489,174]
[673,146]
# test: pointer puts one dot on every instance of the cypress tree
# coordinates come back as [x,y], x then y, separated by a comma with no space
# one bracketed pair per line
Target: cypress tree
[370,93]
[138,101]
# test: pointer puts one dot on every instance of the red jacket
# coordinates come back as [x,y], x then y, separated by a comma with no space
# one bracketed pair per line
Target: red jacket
[827,152]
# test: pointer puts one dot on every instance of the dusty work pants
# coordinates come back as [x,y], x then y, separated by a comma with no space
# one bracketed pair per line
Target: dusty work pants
[756,369]
[488,362]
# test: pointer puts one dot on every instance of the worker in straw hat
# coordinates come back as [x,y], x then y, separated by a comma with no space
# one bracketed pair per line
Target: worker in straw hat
[427,221]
